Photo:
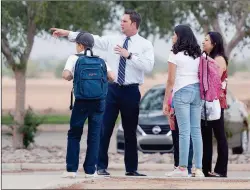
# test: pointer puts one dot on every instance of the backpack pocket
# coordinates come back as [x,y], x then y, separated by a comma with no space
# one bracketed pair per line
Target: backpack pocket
[91,83]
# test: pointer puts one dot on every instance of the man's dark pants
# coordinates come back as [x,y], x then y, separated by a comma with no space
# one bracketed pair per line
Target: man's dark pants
[125,99]
[93,110]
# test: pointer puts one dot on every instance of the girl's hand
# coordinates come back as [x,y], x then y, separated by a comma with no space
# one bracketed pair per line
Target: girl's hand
[166,109]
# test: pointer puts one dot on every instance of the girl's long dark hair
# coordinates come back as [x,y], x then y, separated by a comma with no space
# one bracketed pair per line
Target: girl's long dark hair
[218,49]
[186,41]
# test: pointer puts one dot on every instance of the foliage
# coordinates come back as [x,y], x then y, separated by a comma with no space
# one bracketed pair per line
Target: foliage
[158,17]
[29,128]
[220,16]
[33,18]
[23,20]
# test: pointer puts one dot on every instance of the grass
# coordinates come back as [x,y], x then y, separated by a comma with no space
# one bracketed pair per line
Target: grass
[48,119]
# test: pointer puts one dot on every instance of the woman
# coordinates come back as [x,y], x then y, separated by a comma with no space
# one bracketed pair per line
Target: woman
[183,63]
[213,46]
[175,136]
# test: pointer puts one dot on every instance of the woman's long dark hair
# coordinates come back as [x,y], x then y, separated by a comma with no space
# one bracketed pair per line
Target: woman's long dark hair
[218,49]
[186,41]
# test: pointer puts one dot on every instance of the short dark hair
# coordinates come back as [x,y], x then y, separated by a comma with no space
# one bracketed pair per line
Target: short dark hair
[218,49]
[186,41]
[134,17]
[86,39]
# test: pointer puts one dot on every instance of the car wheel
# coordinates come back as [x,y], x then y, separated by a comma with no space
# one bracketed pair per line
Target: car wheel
[244,143]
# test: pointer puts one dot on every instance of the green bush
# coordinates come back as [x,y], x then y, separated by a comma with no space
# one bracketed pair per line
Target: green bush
[29,128]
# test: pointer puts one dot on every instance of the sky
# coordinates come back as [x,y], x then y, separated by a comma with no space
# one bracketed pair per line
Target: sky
[49,46]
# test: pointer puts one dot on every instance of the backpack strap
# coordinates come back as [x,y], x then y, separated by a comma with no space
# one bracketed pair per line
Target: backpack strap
[205,92]
[91,52]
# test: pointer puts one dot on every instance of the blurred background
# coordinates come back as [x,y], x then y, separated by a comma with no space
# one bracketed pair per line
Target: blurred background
[32,60]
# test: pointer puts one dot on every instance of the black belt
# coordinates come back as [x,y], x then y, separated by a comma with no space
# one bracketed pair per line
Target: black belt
[124,85]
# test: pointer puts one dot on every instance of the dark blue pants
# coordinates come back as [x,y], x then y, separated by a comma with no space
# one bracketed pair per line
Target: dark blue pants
[175,136]
[93,110]
[125,99]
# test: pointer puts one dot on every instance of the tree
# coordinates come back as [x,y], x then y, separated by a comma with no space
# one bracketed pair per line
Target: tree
[23,20]
[160,17]
[212,15]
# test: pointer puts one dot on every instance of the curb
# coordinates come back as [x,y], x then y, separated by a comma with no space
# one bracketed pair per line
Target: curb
[8,167]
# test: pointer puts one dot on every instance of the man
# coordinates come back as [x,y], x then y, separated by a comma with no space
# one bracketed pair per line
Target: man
[129,56]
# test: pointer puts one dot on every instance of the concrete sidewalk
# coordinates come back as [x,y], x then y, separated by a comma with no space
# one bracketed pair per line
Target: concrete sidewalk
[8,167]
[53,180]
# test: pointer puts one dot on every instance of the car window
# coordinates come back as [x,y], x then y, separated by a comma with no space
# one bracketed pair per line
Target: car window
[153,99]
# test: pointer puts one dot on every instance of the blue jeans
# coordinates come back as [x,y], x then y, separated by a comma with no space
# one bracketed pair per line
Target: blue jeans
[187,103]
[175,137]
[93,110]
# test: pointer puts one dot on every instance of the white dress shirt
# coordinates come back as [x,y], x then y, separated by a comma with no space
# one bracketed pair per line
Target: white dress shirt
[71,62]
[142,55]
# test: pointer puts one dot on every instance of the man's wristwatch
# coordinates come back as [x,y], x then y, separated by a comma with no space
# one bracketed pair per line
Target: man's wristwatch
[130,56]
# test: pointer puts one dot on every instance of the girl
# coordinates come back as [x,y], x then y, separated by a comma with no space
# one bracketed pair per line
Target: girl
[175,136]
[183,63]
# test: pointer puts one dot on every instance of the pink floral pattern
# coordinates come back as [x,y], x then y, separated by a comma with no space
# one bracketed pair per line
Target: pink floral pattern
[210,82]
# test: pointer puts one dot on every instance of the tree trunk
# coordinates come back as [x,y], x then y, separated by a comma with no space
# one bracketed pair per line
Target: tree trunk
[20,108]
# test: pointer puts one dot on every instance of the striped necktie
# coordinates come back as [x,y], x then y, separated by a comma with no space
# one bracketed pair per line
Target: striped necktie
[122,65]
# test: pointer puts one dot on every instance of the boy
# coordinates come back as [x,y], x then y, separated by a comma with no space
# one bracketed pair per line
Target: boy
[92,109]
[175,136]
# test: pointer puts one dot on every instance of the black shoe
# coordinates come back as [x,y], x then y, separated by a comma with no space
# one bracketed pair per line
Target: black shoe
[215,175]
[103,172]
[134,174]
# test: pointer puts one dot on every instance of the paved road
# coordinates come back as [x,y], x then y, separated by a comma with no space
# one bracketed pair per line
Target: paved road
[38,180]
[59,138]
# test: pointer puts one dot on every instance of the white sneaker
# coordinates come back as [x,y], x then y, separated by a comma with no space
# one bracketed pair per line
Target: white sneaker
[198,173]
[178,173]
[69,174]
[90,175]
[169,173]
